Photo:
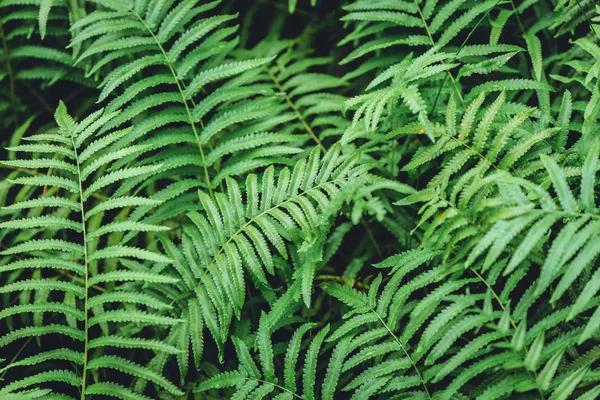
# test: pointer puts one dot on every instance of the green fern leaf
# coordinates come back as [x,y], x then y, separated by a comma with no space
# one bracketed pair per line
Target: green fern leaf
[310,363]
[133,369]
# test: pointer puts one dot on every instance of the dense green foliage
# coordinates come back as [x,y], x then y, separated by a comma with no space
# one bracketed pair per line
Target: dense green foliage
[334,199]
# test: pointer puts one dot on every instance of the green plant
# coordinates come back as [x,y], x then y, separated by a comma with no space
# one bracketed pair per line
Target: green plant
[299,200]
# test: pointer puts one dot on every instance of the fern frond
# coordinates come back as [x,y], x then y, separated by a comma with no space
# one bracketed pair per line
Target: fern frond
[180,41]
[70,213]
[284,209]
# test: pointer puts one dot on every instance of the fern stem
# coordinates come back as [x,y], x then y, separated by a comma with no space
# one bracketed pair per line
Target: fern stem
[464,43]
[372,238]
[503,307]
[295,109]
[460,97]
[11,77]
[50,170]
[38,96]
[404,350]
[277,386]
[512,3]
[470,148]
[183,99]
[7,367]
[587,19]
[86,273]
